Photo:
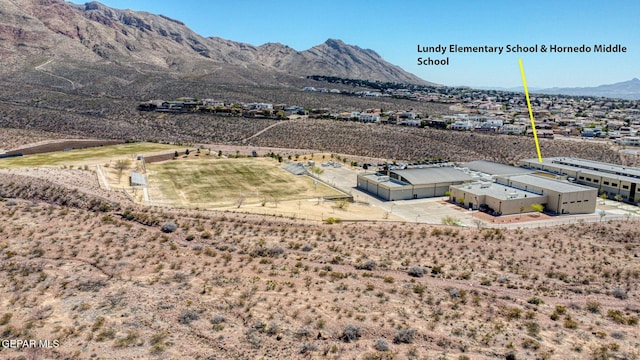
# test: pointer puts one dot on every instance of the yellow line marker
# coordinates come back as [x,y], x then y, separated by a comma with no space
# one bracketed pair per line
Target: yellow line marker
[533,123]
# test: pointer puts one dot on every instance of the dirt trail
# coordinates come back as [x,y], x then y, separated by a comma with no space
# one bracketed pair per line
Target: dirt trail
[39,68]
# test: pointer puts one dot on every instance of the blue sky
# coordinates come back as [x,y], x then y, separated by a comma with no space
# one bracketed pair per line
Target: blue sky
[394,29]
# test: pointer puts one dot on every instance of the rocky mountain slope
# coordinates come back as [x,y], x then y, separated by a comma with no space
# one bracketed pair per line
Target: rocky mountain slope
[33,30]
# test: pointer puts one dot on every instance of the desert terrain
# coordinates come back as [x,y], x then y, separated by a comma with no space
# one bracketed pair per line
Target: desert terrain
[216,261]
[108,278]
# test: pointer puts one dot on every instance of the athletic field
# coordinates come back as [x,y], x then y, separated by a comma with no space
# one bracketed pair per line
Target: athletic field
[94,155]
[213,182]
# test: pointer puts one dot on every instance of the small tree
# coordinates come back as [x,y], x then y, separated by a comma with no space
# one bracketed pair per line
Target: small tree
[618,197]
[342,204]
[240,200]
[603,196]
[120,166]
[275,198]
[602,214]
[537,207]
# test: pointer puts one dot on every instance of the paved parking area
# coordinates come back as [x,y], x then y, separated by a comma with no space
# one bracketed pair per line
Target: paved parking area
[427,211]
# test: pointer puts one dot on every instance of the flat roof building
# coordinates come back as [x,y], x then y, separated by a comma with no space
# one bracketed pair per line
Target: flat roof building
[517,193]
[412,183]
[615,181]
[563,197]
[495,168]
[494,198]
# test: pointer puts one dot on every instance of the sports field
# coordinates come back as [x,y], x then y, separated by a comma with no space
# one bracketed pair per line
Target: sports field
[86,156]
[213,182]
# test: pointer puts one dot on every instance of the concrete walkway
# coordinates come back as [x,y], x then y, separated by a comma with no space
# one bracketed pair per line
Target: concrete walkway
[102,178]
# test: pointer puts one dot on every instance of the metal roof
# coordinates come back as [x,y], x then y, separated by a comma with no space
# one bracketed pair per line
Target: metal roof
[494,168]
[295,168]
[435,175]
[549,184]
[581,164]
[384,180]
[497,191]
[138,179]
[552,162]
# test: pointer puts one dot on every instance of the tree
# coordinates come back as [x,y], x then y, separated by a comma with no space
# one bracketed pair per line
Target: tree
[537,207]
[602,214]
[478,223]
[618,197]
[240,200]
[176,154]
[275,199]
[342,204]
[521,209]
[121,165]
[186,152]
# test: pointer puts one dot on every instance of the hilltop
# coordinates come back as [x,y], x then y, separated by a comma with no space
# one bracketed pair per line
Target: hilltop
[94,36]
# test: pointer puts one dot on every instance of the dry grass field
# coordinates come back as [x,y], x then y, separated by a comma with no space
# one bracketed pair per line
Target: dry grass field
[86,156]
[207,182]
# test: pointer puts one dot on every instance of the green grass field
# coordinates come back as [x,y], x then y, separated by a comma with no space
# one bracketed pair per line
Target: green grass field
[82,156]
[211,182]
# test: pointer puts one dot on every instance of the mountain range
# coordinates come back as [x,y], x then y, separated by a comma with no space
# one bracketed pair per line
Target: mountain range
[33,31]
[629,90]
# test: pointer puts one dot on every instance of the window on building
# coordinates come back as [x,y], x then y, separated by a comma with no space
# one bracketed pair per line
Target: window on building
[625,186]
[614,184]
[581,178]
[588,179]
[606,182]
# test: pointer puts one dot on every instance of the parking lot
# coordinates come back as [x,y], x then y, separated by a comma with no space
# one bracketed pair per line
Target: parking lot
[427,211]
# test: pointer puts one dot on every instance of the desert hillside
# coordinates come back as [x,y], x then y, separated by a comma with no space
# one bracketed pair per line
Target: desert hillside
[107,279]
